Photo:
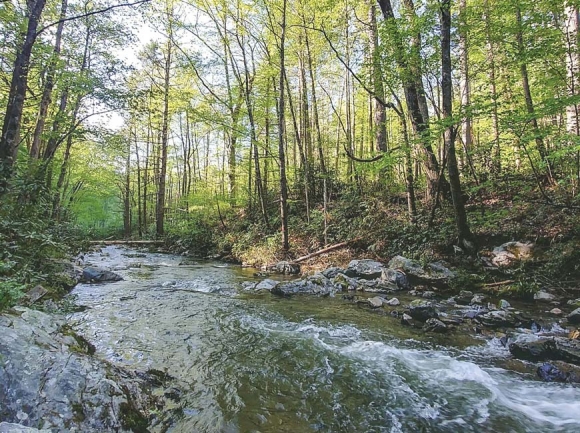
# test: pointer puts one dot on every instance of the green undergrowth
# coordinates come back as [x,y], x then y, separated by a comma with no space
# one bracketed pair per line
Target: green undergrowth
[31,245]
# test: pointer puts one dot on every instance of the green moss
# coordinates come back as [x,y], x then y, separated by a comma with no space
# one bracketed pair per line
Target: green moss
[132,419]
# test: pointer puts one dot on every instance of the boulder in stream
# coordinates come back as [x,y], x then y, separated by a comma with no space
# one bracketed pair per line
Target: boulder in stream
[316,284]
[422,310]
[547,349]
[397,278]
[543,296]
[366,269]
[99,275]
[549,372]
[504,319]
[434,325]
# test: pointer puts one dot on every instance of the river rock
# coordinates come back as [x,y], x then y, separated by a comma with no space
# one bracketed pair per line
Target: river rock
[330,273]
[574,303]
[432,274]
[36,293]
[342,282]
[48,379]
[397,278]
[551,373]
[478,299]
[7,427]
[434,325]
[393,302]
[504,305]
[512,252]
[407,320]
[366,269]
[574,316]
[422,310]
[98,275]
[286,268]
[544,349]
[376,302]
[556,311]
[428,294]
[464,297]
[266,284]
[504,319]
[543,296]
[316,284]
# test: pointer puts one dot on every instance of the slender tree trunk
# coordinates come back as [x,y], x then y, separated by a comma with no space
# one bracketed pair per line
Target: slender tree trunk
[540,145]
[495,163]
[10,140]
[466,239]
[380,113]
[46,98]
[465,85]
[160,213]
[281,136]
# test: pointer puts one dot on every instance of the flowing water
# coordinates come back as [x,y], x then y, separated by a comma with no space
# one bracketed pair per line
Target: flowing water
[258,363]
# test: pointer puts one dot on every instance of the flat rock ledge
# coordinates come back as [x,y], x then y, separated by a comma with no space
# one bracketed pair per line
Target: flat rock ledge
[49,381]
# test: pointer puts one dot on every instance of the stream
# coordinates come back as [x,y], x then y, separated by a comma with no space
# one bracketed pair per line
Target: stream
[247,362]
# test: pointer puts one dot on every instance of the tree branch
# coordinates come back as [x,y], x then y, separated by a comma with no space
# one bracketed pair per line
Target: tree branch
[88,14]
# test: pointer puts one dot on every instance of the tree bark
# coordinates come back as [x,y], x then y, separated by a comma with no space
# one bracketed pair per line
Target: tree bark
[46,98]
[160,211]
[418,121]
[466,239]
[10,140]
[281,137]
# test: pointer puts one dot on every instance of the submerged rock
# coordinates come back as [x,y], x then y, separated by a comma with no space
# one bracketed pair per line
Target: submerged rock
[98,275]
[366,269]
[433,274]
[48,379]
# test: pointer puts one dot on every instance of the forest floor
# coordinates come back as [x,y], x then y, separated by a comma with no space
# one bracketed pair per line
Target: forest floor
[378,228]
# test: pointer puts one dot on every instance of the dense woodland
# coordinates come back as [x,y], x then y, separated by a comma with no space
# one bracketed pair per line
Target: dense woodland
[279,125]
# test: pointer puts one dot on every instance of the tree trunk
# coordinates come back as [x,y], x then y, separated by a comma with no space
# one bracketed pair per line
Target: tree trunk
[46,98]
[466,240]
[418,121]
[10,140]
[160,213]
[380,113]
[281,136]
[540,146]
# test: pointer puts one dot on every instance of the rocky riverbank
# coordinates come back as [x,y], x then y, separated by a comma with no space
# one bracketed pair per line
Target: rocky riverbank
[50,380]
[539,332]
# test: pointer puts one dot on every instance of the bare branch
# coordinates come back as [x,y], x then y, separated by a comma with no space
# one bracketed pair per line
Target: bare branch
[88,14]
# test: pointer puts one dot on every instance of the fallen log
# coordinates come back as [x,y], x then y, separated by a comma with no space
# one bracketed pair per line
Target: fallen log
[324,250]
[126,242]
[499,283]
